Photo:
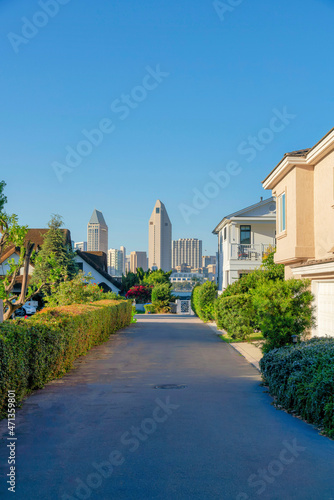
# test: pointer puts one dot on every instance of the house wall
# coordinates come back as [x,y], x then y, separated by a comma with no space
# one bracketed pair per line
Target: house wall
[98,278]
[324,207]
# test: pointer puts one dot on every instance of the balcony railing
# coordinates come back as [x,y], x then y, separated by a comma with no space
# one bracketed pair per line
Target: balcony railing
[248,252]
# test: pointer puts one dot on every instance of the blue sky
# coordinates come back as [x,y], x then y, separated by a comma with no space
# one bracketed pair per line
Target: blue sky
[227,73]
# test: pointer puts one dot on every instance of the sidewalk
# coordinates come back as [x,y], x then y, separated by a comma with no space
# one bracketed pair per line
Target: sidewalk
[249,351]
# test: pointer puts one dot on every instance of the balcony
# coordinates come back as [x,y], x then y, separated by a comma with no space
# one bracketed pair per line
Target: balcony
[248,252]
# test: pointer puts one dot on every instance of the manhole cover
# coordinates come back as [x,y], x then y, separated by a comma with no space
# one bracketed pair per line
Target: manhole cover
[170,386]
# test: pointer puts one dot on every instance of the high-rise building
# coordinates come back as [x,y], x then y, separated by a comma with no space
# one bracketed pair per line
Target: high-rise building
[97,233]
[208,260]
[160,239]
[187,251]
[138,259]
[115,262]
[123,250]
[127,263]
[81,245]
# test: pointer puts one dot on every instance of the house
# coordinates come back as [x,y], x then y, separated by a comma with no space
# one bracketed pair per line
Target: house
[243,238]
[93,262]
[303,184]
[96,264]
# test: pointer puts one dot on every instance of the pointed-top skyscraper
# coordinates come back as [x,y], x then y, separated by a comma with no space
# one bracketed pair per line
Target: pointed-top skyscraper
[160,239]
[97,233]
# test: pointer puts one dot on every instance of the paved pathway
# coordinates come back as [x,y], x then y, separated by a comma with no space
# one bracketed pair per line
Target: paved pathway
[105,432]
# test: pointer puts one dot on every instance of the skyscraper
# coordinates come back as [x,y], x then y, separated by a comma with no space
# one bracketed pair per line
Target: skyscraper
[115,262]
[160,239]
[97,233]
[138,259]
[187,251]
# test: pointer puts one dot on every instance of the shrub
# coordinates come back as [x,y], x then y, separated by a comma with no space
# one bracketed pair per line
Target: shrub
[161,297]
[149,309]
[234,313]
[140,293]
[79,290]
[301,378]
[43,347]
[283,309]
[202,300]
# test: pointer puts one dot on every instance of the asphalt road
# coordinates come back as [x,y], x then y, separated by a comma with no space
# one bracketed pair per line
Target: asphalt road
[104,431]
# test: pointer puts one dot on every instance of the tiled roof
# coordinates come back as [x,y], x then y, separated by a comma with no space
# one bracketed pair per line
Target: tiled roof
[315,261]
[300,152]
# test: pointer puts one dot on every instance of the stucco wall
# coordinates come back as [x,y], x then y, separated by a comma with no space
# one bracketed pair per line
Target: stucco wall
[323,206]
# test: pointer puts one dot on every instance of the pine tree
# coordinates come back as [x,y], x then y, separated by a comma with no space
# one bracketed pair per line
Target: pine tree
[55,261]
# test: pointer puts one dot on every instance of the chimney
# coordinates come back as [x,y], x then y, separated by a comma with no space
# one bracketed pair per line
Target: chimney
[261,199]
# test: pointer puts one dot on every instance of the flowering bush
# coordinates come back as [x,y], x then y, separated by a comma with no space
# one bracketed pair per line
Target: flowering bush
[140,293]
[79,290]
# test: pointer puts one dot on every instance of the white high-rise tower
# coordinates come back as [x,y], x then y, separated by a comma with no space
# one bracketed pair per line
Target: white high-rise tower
[160,239]
[97,233]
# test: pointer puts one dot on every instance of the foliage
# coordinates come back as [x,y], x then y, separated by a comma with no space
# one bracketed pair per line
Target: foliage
[157,277]
[133,313]
[140,293]
[301,378]
[79,290]
[3,198]
[12,234]
[55,261]
[234,314]
[129,280]
[43,347]
[161,297]
[202,300]
[149,309]
[283,309]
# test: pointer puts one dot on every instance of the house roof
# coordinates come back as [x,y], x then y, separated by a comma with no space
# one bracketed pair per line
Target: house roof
[35,236]
[314,262]
[93,260]
[97,218]
[243,212]
[308,156]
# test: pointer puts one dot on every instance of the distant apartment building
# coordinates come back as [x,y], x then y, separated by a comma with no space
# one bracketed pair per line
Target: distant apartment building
[138,259]
[116,263]
[208,260]
[123,250]
[187,251]
[80,245]
[97,233]
[127,263]
[160,239]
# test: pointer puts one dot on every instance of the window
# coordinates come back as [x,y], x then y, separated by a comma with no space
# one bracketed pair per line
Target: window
[281,213]
[157,210]
[245,235]
[225,233]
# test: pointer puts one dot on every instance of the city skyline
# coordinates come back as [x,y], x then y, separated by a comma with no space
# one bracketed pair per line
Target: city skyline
[202,139]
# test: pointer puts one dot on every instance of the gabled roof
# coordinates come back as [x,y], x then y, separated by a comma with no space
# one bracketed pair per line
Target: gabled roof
[35,236]
[304,156]
[97,218]
[243,213]
[91,260]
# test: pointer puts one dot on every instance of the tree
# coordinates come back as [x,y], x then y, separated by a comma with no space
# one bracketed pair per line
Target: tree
[12,234]
[158,277]
[129,280]
[55,261]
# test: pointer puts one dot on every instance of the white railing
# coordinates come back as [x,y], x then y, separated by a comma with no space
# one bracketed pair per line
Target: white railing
[248,252]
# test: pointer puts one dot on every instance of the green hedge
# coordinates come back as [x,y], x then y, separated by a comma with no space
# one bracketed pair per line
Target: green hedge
[301,378]
[43,347]
[234,314]
[202,300]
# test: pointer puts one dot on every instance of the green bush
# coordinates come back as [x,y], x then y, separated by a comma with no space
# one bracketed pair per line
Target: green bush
[43,347]
[149,309]
[283,309]
[301,378]
[203,299]
[234,314]
[161,297]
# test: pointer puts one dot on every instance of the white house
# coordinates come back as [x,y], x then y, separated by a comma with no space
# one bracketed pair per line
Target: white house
[243,238]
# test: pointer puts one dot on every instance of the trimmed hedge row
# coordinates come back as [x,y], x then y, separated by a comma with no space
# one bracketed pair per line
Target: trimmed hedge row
[43,347]
[301,378]
[202,300]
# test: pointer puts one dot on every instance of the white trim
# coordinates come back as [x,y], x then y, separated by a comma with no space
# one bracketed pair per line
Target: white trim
[327,267]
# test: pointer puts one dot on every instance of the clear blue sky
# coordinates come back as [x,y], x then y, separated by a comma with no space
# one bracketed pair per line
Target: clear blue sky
[227,74]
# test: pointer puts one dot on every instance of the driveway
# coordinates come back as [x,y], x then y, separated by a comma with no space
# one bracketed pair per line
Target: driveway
[164,410]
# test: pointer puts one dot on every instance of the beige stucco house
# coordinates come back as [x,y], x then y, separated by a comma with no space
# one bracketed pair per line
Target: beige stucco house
[303,184]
